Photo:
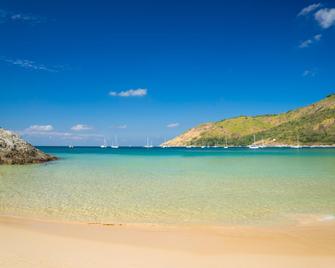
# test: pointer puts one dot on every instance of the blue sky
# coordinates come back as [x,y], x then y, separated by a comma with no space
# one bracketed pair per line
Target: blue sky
[72,72]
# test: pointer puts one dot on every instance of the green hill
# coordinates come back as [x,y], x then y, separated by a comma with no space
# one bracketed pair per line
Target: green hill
[311,125]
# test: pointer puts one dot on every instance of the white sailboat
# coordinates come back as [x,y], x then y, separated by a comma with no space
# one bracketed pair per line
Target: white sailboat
[298,144]
[163,145]
[115,145]
[71,146]
[263,145]
[148,145]
[226,146]
[253,146]
[104,145]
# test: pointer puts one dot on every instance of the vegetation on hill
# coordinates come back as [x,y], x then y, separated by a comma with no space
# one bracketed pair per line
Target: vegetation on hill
[310,125]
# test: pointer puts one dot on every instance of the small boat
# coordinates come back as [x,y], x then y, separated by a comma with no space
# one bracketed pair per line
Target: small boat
[148,145]
[263,145]
[298,144]
[163,145]
[103,146]
[226,146]
[71,146]
[253,146]
[115,145]
[188,146]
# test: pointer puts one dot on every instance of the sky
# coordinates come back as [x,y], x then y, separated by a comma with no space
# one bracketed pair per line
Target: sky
[74,72]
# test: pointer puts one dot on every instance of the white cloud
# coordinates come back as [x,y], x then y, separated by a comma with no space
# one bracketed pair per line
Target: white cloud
[7,16]
[28,64]
[309,9]
[23,17]
[122,126]
[80,127]
[140,92]
[172,125]
[310,73]
[40,128]
[325,17]
[47,131]
[308,42]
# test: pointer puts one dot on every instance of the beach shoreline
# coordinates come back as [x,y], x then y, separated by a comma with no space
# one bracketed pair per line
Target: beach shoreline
[38,243]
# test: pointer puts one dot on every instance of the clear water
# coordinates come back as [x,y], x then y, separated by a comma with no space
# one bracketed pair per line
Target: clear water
[172,186]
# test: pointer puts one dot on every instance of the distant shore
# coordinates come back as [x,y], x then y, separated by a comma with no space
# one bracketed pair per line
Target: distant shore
[192,146]
[31,243]
[261,146]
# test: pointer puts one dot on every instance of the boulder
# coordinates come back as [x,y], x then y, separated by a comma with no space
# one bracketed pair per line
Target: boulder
[14,150]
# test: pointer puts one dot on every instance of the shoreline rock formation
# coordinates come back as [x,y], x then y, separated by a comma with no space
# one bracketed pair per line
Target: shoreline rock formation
[14,150]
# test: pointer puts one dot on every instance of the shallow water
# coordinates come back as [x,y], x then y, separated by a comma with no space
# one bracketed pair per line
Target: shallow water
[172,186]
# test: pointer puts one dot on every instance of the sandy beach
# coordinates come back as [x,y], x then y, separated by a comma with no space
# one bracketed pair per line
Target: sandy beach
[33,243]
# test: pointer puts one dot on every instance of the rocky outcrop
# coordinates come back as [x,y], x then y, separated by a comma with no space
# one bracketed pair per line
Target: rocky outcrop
[14,150]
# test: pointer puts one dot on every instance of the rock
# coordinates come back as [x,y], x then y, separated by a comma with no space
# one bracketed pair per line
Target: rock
[14,150]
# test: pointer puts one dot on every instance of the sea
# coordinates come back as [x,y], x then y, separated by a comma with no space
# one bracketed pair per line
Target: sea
[173,186]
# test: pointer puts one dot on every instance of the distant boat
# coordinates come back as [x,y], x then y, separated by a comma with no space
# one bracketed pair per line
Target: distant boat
[71,146]
[148,145]
[163,146]
[104,145]
[252,146]
[298,144]
[189,146]
[115,145]
[263,145]
[226,146]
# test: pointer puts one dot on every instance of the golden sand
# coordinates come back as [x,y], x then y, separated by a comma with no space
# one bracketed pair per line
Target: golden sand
[31,243]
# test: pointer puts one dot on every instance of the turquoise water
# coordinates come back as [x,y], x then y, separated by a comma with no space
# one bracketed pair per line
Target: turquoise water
[172,186]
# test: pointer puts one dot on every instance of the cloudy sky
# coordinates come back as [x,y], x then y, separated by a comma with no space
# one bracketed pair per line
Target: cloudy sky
[74,72]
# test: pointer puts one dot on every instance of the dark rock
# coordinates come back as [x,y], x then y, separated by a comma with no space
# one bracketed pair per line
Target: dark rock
[14,150]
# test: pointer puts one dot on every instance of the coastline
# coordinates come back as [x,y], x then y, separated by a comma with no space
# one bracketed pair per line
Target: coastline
[287,146]
[37,243]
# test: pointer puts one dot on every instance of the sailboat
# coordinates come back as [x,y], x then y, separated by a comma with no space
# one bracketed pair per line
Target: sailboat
[226,146]
[253,146]
[263,145]
[163,145]
[104,145]
[148,145]
[115,145]
[298,144]
[71,146]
